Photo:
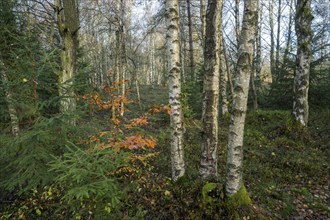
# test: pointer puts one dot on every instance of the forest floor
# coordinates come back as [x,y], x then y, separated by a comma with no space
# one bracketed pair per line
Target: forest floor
[286,167]
[286,170]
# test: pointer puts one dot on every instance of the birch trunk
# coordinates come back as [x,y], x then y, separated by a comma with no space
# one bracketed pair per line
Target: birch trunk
[241,88]
[277,54]
[237,23]
[223,71]
[272,39]
[256,61]
[208,166]
[191,45]
[258,64]
[123,58]
[183,49]
[203,21]
[231,87]
[68,25]
[288,40]
[303,21]
[174,82]
[14,121]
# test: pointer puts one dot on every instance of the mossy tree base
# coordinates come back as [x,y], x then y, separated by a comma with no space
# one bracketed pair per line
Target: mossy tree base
[238,202]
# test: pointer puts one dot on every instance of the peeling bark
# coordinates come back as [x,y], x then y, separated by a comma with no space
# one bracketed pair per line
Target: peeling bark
[241,88]
[174,82]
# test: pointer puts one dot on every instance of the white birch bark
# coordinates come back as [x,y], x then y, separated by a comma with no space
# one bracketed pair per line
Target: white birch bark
[237,22]
[174,82]
[241,89]
[191,43]
[223,71]
[301,80]
[208,166]
[203,21]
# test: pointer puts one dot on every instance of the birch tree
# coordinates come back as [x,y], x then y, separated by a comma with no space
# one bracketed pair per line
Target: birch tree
[234,181]
[272,39]
[174,83]
[256,59]
[223,70]
[68,25]
[303,21]
[191,43]
[208,166]
[237,22]
[203,21]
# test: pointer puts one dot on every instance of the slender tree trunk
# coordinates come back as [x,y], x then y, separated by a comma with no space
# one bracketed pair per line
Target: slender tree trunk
[223,71]
[303,21]
[258,64]
[123,75]
[288,40]
[272,39]
[183,46]
[203,21]
[117,70]
[277,54]
[191,45]
[241,88]
[174,82]
[237,23]
[123,58]
[209,159]
[14,121]
[254,92]
[68,25]
[256,61]
[231,87]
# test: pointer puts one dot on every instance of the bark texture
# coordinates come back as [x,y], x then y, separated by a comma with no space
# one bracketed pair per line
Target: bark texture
[203,20]
[208,166]
[303,21]
[123,57]
[241,88]
[191,43]
[258,63]
[277,56]
[256,60]
[174,82]
[237,22]
[68,25]
[223,71]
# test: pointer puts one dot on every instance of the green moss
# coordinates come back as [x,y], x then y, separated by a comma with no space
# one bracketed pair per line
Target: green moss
[207,188]
[239,200]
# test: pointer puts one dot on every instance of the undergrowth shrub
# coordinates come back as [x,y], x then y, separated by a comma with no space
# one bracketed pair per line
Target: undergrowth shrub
[24,159]
[88,180]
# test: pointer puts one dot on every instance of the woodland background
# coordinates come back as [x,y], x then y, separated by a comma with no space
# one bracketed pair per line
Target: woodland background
[88,129]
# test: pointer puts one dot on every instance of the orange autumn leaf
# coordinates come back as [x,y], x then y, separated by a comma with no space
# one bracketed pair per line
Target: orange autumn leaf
[115,121]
